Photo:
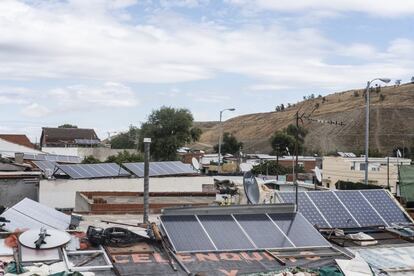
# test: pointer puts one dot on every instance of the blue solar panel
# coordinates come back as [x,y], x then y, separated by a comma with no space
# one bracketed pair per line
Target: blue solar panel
[186,234]
[225,232]
[306,207]
[385,206]
[360,208]
[100,170]
[332,209]
[160,168]
[263,231]
[294,225]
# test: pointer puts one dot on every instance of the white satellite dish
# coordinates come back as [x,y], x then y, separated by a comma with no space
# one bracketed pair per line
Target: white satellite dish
[52,238]
[318,174]
[195,163]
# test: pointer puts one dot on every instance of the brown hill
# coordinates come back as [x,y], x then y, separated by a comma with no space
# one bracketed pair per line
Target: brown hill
[392,122]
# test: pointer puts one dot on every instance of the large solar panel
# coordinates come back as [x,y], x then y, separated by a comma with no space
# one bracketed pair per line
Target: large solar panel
[100,170]
[228,236]
[263,231]
[349,209]
[160,168]
[236,232]
[298,230]
[333,210]
[187,234]
[307,208]
[53,158]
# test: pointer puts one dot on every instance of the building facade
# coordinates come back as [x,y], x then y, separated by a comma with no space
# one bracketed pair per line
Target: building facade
[381,171]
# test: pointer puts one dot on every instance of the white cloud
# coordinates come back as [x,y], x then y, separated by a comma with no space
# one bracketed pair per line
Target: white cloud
[35,110]
[14,95]
[85,40]
[373,7]
[77,97]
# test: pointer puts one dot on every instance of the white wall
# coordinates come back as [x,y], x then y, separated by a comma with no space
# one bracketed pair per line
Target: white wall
[61,193]
[61,151]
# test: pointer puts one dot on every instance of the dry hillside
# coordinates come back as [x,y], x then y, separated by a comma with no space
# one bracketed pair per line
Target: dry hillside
[392,123]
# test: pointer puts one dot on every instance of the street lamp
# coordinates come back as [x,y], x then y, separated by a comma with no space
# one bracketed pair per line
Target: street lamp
[221,137]
[385,80]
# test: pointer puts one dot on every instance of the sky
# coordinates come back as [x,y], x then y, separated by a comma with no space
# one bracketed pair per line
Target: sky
[107,64]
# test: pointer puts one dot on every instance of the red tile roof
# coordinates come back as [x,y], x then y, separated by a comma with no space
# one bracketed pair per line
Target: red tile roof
[19,139]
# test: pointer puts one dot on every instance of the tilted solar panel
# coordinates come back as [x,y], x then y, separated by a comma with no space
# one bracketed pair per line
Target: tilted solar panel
[53,158]
[48,168]
[100,170]
[360,208]
[161,168]
[186,234]
[333,210]
[236,232]
[307,208]
[344,209]
[225,232]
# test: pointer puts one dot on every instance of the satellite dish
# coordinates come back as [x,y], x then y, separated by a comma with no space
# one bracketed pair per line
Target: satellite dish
[44,238]
[318,174]
[251,188]
[195,163]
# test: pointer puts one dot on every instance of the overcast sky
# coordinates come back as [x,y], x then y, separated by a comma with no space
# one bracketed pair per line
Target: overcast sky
[106,64]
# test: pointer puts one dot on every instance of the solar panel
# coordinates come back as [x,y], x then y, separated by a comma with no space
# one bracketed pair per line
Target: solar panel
[333,210]
[48,168]
[29,214]
[186,233]
[307,208]
[385,206]
[263,232]
[100,170]
[344,209]
[293,226]
[236,232]
[225,232]
[160,168]
[53,158]
[360,208]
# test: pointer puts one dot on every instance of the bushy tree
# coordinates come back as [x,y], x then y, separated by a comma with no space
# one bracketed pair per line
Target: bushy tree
[169,128]
[126,140]
[292,130]
[67,126]
[280,141]
[125,156]
[230,144]
[90,160]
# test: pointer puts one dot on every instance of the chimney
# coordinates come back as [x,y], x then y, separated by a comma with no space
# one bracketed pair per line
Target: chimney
[18,157]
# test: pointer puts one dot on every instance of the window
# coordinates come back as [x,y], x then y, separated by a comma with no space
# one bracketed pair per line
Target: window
[362,166]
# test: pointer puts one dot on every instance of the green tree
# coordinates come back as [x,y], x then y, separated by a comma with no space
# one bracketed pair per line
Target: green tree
[126,140]
[292,130]
[169,128]
[280,141]
[90,160]
[67,126]
[230,144]
[125,156]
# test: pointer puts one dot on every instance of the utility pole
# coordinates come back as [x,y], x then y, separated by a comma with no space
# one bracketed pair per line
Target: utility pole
[295,171]
[221,138]
[147,143]
[388,173]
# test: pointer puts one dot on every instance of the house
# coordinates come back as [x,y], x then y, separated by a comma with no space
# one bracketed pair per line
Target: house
[19,139]
[351,168]
[68,137]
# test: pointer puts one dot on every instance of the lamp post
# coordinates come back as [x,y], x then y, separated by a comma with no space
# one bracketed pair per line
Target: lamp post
[385,80]
[221,137]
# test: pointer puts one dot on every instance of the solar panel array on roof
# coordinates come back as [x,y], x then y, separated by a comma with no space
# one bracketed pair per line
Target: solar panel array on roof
[29,214]
[348,209]
[48,168]
[236,232]
[101,170]
[53,158]
[161,168]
